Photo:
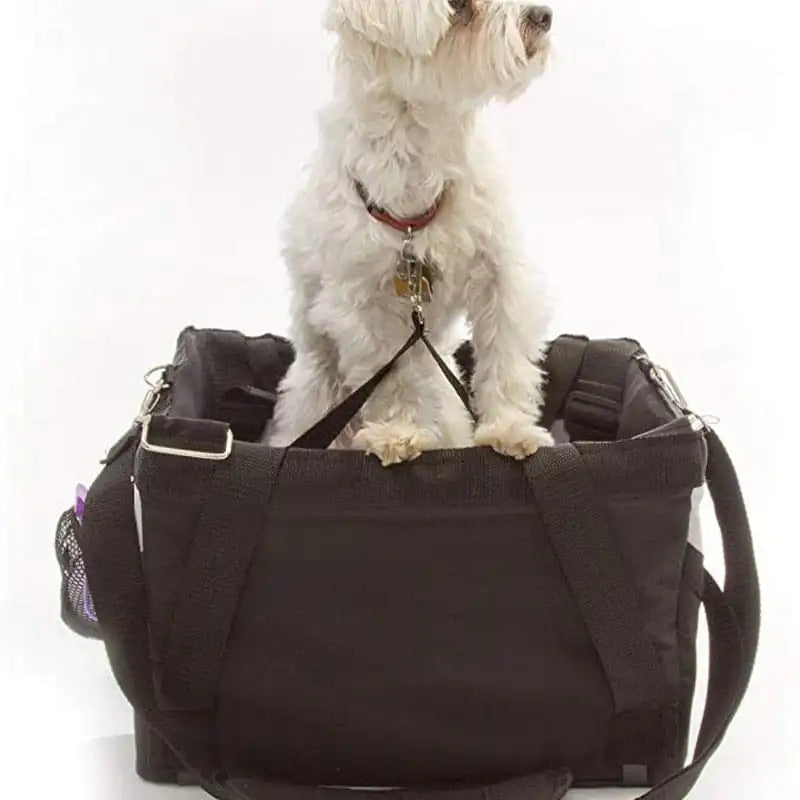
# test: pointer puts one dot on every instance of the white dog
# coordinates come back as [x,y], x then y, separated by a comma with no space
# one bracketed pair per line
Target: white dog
[403,164]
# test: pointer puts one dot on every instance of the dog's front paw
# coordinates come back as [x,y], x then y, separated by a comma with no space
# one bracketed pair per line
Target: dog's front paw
[516,436]
[393,443]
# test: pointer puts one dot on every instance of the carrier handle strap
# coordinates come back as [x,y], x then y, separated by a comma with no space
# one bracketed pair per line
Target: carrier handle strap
[550,785]
[325,432]
[575,521]
[733,615]
[233,516]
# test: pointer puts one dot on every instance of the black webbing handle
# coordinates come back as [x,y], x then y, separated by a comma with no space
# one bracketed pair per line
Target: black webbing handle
[324,433]
[233,516]
[550,785]
[575,522]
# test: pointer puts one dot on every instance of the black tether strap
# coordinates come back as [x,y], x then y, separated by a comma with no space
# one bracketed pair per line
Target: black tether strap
[324,433]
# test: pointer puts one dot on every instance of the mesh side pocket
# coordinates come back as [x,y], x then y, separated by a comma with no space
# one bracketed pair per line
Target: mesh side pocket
[77,608]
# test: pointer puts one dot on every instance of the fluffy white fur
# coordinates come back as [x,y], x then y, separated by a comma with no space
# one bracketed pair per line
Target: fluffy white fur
[411,77]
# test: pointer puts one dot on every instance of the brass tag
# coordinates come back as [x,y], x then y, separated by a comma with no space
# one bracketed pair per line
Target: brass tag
[407,276]
[402,288]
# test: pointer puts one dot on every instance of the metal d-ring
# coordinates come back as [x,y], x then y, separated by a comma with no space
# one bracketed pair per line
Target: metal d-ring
[200,455]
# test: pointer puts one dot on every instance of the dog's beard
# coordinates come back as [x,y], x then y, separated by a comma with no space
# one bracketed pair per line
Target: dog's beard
[538,52]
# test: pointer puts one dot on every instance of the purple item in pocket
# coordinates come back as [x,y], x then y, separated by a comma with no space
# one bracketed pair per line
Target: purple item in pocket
[80,501]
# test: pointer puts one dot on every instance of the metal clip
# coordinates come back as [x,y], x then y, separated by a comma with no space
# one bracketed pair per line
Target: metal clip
[662,378]
[413,271]
[157,383]
[156,386]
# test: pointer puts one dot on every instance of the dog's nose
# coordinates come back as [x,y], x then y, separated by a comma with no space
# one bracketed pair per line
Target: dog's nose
[540,16]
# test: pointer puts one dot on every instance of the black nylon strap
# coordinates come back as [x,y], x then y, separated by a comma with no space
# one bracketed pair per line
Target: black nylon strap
[232,518]
[594,404]
[561,366]
[457,385]
[324,433]
[733,622]
[741,578]
[550,785]
[576,525]
[726,687]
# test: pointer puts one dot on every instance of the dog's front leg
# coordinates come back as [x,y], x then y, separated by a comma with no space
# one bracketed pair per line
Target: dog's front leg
[508,317]
[403,418]
[310,388]
[307,394]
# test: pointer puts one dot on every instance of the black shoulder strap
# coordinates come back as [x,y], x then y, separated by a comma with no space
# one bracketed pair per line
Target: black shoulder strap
[109,542]
[733,622]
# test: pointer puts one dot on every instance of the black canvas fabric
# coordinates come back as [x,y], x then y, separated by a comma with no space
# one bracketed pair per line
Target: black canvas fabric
[304,617]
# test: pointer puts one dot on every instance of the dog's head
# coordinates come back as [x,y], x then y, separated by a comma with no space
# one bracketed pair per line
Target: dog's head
[444,51]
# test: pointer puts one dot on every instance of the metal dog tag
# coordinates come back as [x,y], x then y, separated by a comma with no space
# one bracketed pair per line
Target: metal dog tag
[414,279]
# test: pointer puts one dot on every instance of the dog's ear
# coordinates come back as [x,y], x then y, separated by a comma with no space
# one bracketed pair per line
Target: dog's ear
[411,27]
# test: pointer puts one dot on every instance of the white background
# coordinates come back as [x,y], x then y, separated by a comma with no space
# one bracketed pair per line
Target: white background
[147,150]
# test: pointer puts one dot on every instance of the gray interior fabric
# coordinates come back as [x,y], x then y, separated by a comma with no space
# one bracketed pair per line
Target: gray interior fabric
[643,408]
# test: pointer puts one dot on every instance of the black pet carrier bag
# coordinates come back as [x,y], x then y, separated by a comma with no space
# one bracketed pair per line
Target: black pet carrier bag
[287,623]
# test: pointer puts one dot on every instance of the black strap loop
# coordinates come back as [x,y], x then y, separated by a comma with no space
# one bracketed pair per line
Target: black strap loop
[593,407]
[457,385]
[561,366]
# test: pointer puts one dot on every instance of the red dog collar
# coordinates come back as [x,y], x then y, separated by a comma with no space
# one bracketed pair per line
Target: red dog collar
[412,224]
